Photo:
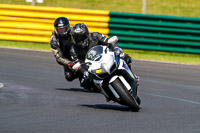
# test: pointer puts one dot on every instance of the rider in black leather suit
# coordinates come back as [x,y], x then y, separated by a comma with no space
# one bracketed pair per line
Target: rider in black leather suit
[83,42]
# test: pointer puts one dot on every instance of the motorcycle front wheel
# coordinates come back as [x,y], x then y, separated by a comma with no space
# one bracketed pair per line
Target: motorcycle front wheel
[125,96]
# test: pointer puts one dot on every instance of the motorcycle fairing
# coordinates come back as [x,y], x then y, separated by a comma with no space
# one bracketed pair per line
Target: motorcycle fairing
[99,72]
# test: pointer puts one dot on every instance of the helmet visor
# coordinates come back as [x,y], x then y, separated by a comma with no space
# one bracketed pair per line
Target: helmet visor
[80,38]
[61,30]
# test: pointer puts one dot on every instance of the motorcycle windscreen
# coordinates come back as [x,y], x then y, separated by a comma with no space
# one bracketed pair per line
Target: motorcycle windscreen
[95,53]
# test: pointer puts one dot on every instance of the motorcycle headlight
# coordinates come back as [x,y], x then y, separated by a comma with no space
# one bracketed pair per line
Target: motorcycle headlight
[98,71]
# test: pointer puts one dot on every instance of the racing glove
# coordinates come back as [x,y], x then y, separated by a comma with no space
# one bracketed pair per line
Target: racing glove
[74,65]
[113,40]
[118,51]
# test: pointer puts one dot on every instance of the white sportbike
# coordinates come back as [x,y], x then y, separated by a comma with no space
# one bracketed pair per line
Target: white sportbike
[112,76]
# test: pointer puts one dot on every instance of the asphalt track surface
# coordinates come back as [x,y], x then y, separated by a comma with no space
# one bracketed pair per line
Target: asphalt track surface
[35,98]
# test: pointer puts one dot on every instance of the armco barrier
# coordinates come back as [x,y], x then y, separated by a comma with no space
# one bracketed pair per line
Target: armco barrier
[35,24]
[154,32]
[136,31]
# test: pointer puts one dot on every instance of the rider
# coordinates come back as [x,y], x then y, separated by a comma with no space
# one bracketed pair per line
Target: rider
[61,42]
[83,42]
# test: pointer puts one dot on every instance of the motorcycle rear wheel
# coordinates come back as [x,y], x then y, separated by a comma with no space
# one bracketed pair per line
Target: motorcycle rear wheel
[125,96]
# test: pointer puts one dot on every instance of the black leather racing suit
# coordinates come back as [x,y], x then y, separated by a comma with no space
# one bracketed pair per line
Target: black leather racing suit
[61,46]
[78,53]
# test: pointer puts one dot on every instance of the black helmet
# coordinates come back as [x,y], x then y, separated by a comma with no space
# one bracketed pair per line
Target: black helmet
[80,35]
[62,26]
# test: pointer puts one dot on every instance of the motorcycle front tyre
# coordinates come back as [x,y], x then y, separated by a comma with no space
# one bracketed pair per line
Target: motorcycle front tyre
[125,96]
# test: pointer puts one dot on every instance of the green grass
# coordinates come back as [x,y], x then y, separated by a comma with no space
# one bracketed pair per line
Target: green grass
[187,8]
[26,45]
[165,56]
[135,54]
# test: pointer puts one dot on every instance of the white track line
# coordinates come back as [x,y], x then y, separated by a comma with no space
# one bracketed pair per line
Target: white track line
[172,98]
[1,85]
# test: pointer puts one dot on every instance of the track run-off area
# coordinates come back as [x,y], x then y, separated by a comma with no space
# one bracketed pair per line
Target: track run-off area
[36,98]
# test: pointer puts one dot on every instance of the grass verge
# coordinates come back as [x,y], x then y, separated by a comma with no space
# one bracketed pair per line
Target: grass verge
[26,45]
[135,54]
[187,8]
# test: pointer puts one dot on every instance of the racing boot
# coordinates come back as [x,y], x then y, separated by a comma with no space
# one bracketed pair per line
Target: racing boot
[138,100]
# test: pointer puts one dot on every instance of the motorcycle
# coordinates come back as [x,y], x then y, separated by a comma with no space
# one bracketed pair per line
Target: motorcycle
[112,76]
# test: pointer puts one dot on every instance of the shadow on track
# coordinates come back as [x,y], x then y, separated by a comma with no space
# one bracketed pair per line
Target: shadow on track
[76,90]
[108,107]
[97,106]
[72,89]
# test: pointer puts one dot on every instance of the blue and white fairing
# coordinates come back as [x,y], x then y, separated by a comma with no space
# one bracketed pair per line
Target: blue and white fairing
[105,64]
[102,61]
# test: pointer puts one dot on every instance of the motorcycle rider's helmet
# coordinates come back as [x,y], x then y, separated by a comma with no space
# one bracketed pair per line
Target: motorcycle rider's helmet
[61,26]
[80,35]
